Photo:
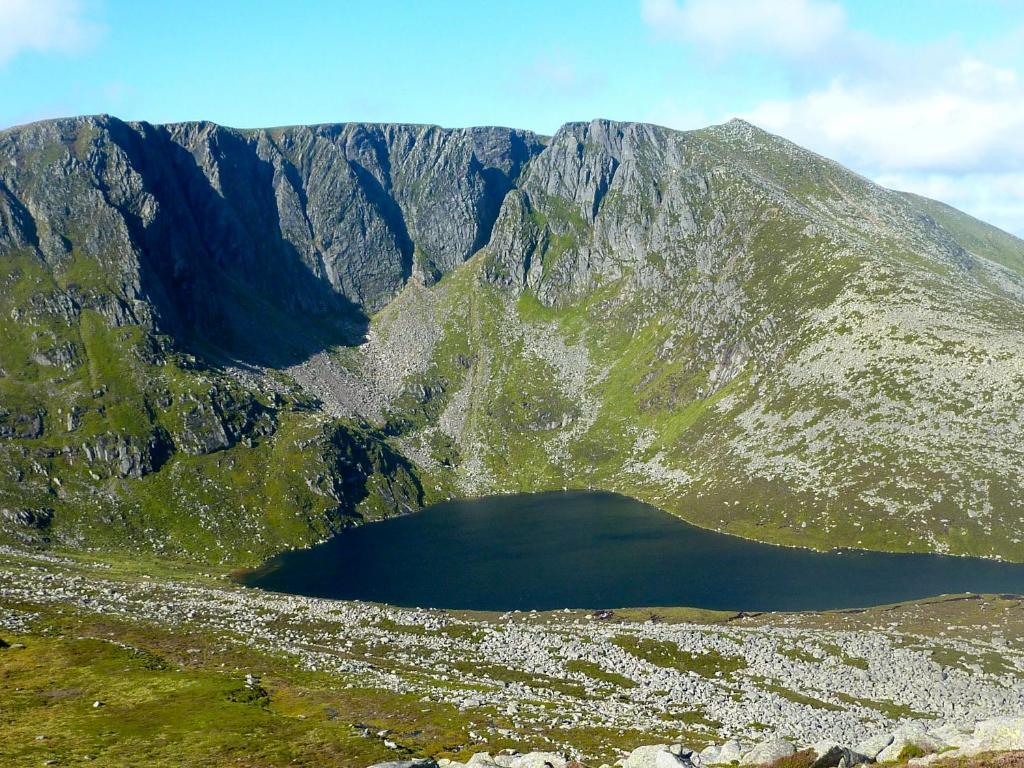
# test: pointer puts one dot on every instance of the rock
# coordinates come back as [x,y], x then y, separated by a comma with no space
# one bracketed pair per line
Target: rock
[910,737]
[874,745]
[837,756]
[823,747]
[646,756]
[97,704]
[729,752]
[661,756]
[424,762]
[38,518]
[482,760]
[953,734]
[829,758]
[539,760]
[998,734]
[768,752]
[21,425]
[683,759]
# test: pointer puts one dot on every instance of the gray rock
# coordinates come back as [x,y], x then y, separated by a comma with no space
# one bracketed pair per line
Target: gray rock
[680,759]
[724,754]
[996,734]
[910,736]
[871,747]
[768,752]
[644,756]
[539,760]
[481,760]
[418,763]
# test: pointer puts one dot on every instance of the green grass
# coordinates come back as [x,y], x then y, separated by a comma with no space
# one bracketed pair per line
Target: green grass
[597,672]
[887,708]
[664,653]
[799,698]
[161,712]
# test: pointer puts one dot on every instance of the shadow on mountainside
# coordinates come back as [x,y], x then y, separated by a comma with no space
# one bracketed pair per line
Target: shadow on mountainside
[214,261]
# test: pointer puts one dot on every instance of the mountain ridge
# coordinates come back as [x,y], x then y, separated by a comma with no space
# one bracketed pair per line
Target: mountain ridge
[351,320]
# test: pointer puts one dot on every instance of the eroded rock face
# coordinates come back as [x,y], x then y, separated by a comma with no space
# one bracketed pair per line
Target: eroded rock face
[37,519]
[22,425]
[315,219]
[119,455]
[807,334]
[599,199]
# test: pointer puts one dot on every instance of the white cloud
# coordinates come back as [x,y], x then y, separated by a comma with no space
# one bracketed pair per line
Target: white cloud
[792,28]
[44,26]
[997,198]
[950,126]
[932,118]
[957,136]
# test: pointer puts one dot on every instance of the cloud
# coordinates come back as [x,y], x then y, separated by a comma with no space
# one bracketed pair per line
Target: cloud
[45,26]
[971,118]
[957,135]
[997,197]
[934,117]
[791,28]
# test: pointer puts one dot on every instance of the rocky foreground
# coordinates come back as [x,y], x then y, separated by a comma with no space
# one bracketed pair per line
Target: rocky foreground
[908,744]
[930,677]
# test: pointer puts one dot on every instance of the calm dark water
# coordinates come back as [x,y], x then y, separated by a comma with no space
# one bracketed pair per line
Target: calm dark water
[600,550]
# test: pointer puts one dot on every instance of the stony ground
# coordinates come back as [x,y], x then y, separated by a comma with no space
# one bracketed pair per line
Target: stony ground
[586,684]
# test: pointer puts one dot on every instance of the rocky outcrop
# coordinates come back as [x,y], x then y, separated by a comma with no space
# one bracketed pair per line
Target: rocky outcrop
[989,736]
[359,463]
[37,519]
[219,420]
[120,455]
[21,425]
[319,219]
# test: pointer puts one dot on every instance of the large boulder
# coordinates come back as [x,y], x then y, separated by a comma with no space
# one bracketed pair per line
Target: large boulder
[837,756]
[676,758]
[424,762]
[873,746]
[953,734]
[999,734]
[661,756]
[910,738]
[539,760]
[646,756]
[723,754]
[768,752]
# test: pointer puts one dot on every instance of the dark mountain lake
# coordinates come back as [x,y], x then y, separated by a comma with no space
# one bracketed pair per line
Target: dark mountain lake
[600,550]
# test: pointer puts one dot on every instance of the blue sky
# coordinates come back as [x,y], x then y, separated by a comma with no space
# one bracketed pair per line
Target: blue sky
[921,95]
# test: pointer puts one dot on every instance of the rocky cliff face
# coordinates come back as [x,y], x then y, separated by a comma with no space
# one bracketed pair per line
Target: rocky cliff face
[717,321]
[325,221]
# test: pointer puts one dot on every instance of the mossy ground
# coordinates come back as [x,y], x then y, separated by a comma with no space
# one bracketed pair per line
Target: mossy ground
[173,699]
[182,701]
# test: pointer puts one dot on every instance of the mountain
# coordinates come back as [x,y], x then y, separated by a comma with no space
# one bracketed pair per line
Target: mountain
[220,343]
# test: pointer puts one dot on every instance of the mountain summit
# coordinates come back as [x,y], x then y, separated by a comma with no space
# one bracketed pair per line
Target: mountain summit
[218,343]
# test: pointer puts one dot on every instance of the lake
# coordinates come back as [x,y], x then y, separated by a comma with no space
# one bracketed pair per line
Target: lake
[601,550]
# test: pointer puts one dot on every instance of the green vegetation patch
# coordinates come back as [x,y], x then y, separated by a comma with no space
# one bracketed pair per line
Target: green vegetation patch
[665,653]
